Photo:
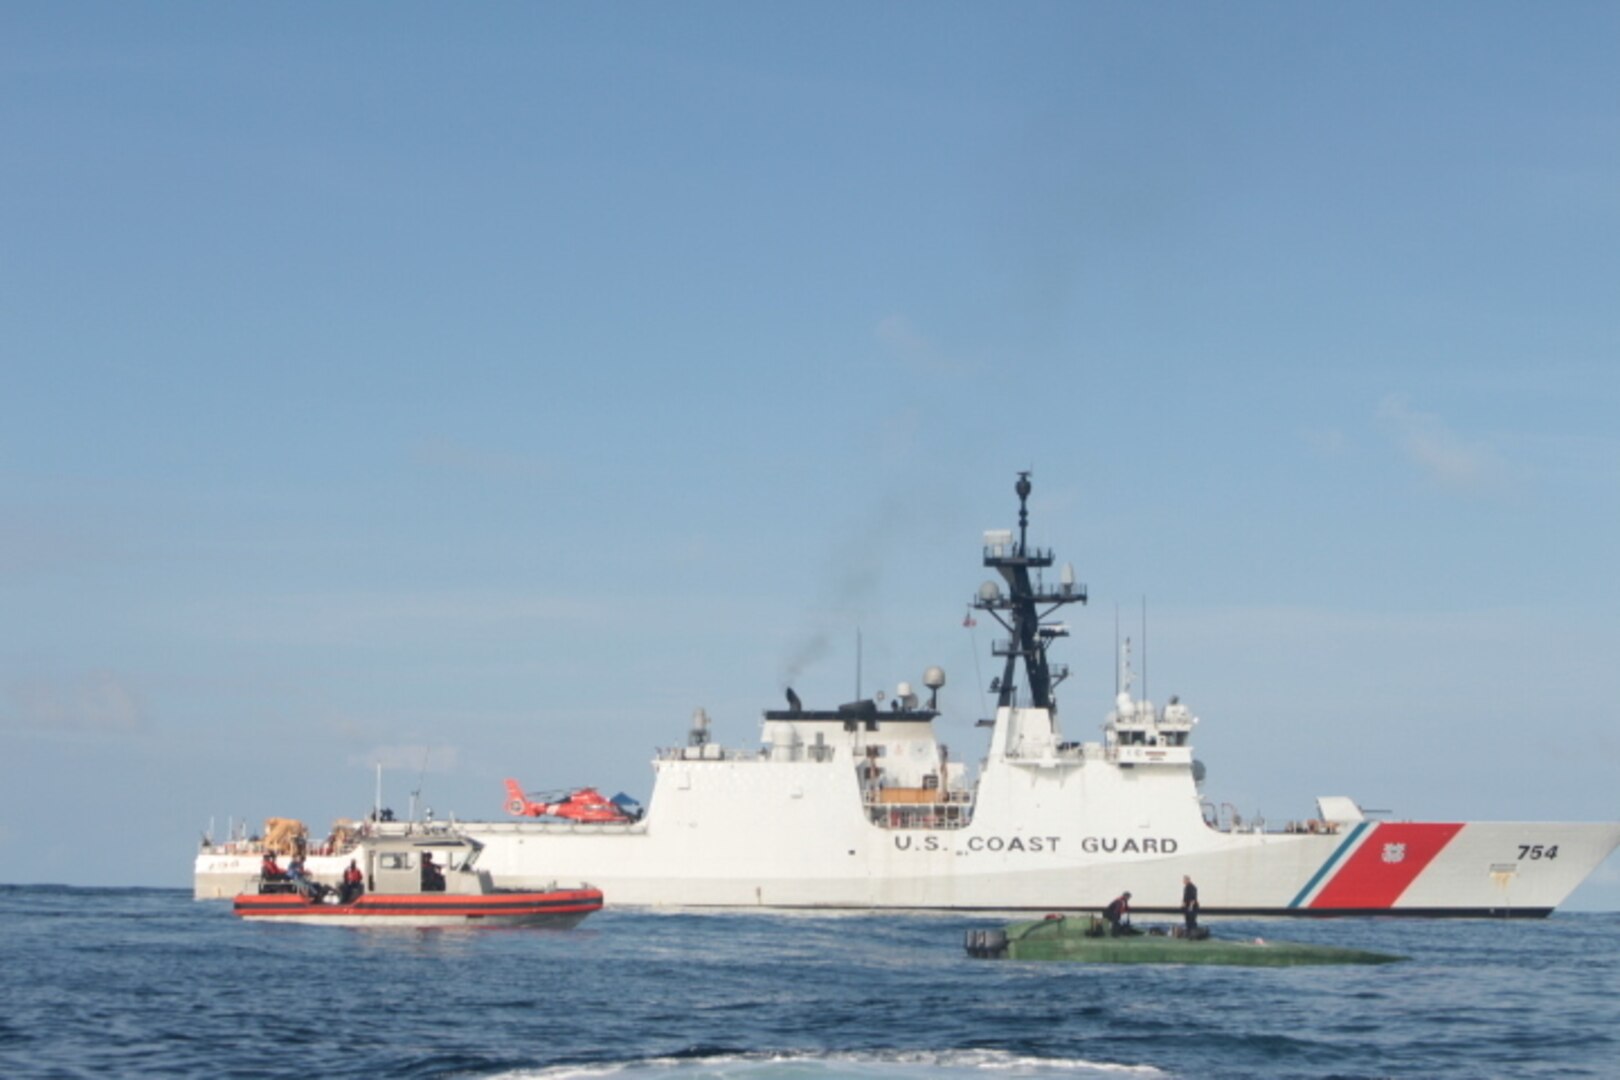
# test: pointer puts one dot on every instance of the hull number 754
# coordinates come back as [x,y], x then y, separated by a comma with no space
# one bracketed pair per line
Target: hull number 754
[1538,851]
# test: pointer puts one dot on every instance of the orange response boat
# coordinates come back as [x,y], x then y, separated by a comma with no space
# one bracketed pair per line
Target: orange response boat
[416,882]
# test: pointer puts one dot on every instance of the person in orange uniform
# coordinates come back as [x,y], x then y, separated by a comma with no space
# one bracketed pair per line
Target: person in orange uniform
[354,883]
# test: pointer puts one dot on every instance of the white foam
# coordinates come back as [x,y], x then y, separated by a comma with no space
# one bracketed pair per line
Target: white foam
[871,1065]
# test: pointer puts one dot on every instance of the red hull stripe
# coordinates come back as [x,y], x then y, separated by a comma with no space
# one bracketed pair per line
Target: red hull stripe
[1332,861]
[1387,862]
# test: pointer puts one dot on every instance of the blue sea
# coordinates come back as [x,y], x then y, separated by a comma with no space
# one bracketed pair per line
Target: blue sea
[143,982]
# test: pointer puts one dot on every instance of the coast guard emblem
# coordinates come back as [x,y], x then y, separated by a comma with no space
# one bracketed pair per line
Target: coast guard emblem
[1394,853]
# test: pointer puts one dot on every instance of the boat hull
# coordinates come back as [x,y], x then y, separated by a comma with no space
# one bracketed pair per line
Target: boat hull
[559,909]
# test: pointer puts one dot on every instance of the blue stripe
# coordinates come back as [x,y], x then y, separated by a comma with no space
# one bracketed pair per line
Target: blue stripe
[1349,842]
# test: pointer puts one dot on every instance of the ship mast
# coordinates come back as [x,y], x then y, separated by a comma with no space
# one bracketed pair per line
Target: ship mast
[1020,609]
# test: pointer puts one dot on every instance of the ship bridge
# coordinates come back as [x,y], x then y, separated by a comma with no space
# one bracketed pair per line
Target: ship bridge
[1138,733]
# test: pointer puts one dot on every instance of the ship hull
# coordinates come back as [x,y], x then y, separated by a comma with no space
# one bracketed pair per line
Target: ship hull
[1476,872]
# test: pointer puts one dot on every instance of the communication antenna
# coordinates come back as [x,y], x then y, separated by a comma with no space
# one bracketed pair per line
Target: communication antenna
[1145,696]
[969,622]
[857,696]
[1116,649]
[420,776]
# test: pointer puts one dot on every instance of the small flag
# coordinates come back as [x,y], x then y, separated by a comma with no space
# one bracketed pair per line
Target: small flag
[968,620]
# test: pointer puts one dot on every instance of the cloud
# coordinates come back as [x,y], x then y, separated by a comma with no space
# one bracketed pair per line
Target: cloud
[378,618]
[1326,442]
[899,335]
[96,703]
[411,757]
[1439,452]
[448,455]
[908,345]
[35,540]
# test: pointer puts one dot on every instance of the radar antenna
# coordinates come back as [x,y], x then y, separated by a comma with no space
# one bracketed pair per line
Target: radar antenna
[1021,610]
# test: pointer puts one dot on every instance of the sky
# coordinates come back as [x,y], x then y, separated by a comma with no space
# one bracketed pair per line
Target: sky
[478,391]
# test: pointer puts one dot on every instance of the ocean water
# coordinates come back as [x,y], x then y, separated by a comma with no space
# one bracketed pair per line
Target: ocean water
[141,982]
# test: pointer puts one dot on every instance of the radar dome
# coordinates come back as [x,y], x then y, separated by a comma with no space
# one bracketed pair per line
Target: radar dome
[934,678]
[989,591]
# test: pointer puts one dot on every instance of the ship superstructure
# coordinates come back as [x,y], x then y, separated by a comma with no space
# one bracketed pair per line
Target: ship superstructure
[861,807]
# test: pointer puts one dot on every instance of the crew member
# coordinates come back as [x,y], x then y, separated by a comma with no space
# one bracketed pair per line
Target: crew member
[269,869]
[295,874]
[1189,903]
[1118,914]
[354,884]
[432,876]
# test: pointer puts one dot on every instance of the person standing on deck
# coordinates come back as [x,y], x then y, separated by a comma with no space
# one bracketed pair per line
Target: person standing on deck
[1189,903]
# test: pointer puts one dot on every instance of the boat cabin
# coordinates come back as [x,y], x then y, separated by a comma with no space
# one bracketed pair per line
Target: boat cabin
[412,865]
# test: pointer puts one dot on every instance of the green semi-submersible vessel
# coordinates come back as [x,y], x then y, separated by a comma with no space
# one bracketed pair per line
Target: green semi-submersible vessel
[1089,941]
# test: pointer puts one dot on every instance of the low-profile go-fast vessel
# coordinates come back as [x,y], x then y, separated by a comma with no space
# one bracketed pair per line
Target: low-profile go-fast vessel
[859,807]
[1089,942]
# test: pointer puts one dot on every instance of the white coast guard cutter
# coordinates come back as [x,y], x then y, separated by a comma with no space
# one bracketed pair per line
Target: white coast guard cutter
[859,807]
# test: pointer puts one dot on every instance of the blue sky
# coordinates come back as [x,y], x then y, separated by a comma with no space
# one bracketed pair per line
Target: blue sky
[481,390]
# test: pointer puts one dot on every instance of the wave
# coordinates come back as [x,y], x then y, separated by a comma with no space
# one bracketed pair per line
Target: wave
[869,1065]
